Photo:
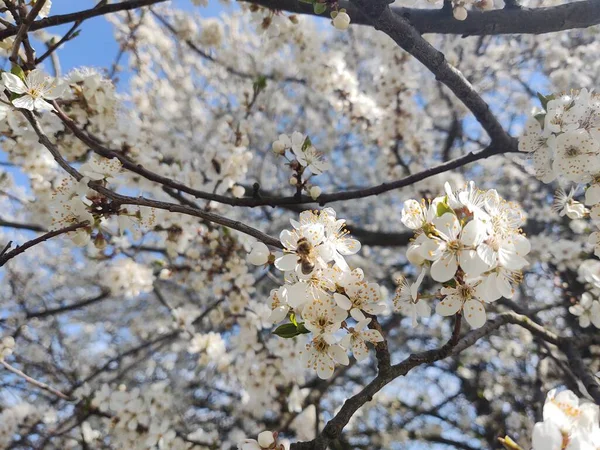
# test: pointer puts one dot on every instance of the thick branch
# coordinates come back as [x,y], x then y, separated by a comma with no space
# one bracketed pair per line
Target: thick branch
[580,14]
[580,369]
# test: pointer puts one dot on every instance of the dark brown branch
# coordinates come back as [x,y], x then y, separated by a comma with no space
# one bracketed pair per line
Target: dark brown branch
[510,146]
[173,207]
[67,308]
[510,20]
[21,226]
[81,15]
[44,237]
[24,29]
[582,371]
[141,201]
[323,199]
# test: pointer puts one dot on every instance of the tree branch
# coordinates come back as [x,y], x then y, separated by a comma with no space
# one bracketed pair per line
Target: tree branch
[81,15]
[44,237]
[34,382]
[408,38]
[454,346]
[581,14]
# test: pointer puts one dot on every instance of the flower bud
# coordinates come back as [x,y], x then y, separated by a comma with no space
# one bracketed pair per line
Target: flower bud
[314,192]
[238,191]
[341,21]
[278,147]
[265,439]
[459,13]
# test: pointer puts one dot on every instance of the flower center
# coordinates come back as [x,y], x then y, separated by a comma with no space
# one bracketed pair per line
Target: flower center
[454,246]
[320,345]
[572,151]
[34,92]
[465,292]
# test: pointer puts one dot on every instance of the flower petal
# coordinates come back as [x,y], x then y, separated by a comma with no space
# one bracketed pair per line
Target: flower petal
[449,306]
[287,262]
[474,312]
[13,83]
[444,268]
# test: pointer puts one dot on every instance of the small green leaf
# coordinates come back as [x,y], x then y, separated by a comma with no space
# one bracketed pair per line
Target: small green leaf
[307,143]
[544,99]
[16,70]
[260,84]
[291,330]
[287,331]
[302,329]
[443,208]
[319,8]
[293,319]
[451,283]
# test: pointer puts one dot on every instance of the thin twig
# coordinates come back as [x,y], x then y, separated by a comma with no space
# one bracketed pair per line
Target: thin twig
[35,382]
[44,237]
[24,28]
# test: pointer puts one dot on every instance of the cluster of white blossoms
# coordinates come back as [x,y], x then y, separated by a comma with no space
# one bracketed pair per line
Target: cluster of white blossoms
[459,7]
[140,418]
[472,243]
[587,309]
[569,424]
[564,141]
[321,290]
[304,160]
[17,418]
[127,278]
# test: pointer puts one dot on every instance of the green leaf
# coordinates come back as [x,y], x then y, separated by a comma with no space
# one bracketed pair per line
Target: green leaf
[307,143]
[287,331]
[544,99]
[260,84]
[302,329]
[443,208]
[310,2]
[291,330]
[293,319]
[451,283]
[319,8]
[16,70]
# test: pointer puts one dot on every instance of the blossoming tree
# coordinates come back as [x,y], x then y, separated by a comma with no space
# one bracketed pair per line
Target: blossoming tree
[302,225]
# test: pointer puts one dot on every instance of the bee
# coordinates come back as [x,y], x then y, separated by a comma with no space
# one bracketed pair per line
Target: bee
[306,255]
